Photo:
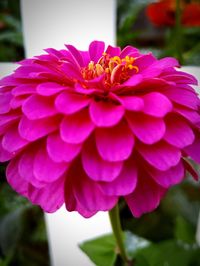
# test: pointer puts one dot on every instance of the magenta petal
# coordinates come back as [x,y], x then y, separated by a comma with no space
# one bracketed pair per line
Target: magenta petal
[76,128]
[194,148]
[14,179]
[50,197]
[166,62]
[170,177]
[36,107]
[75,54]
[160,155]
[24,89]
[96,49]
[69,103]
[132,103]
[25,168]
[146,197]
[182,96]
[178,132]
[59,150]
[97,168]
[128,50]
[105,114]
[87,192]
[147,129]
[4,155]
[115,143]
[113,51]
[125,183]
[5,99]
[132,81]
[35,129]
[156,104]
[47,171]
[12,141]
[49,88]
[189,114]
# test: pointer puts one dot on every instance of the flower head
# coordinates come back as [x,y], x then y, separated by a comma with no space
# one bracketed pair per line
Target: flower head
[87,127]
[163,13]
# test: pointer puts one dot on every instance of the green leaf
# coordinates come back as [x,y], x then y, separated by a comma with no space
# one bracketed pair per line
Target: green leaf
[102,250]
[184,231]
[171,253]
[134,244]
[10,229]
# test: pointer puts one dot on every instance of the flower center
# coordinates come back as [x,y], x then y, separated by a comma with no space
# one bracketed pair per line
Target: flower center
[116,70]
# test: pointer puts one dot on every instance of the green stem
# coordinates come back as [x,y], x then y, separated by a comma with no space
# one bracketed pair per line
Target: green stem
[118,233]
[178,33]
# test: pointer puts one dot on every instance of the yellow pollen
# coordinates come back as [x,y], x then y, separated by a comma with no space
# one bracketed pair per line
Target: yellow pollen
[116,69]
[91,65]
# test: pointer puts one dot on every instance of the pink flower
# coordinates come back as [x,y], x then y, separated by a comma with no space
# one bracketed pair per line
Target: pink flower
[88,127]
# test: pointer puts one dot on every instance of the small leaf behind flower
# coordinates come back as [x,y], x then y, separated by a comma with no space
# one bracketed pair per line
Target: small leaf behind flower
[102,250]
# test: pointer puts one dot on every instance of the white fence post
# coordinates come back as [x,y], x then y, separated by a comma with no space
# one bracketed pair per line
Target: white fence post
[53,23]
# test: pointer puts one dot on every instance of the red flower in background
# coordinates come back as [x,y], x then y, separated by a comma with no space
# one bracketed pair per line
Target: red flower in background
[163,13]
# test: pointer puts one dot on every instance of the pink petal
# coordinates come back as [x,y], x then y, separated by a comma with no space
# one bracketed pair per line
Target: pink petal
[166,62]
[18,101]
[181,78]
[69,103]
[45,169]
[97,168]
[36,107]
[156,104]
[87,192]
[113,51]
[6,120]
[189,114]
[125,183]
[178,132]
[146,197]
[4,155]
[105,114]
[132,81]
[5,99]
[147,129]
[59,150]
[71,71]
[96,49]
[115,143]
[170,177]
[160,155]
[128,50]
[14,179]
[144,61]
[12,141]
[182,96]
[194,148]
[132,103]
[24,89]
[50,197]
[35,129]
[76,128]
[25,167]
[75,54]
[49,88]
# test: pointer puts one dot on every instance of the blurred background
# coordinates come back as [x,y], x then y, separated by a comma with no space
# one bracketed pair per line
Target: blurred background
[167,28]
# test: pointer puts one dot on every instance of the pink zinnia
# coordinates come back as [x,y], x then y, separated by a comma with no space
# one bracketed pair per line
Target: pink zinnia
[85,128]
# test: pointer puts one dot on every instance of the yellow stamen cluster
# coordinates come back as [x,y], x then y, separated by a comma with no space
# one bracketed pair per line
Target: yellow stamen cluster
[110,66]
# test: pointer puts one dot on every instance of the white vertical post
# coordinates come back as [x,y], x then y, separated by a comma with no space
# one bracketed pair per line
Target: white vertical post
[53,23]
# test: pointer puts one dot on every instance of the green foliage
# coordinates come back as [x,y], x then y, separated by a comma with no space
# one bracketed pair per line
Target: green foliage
[166,237]
[11,39]
[23,238]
